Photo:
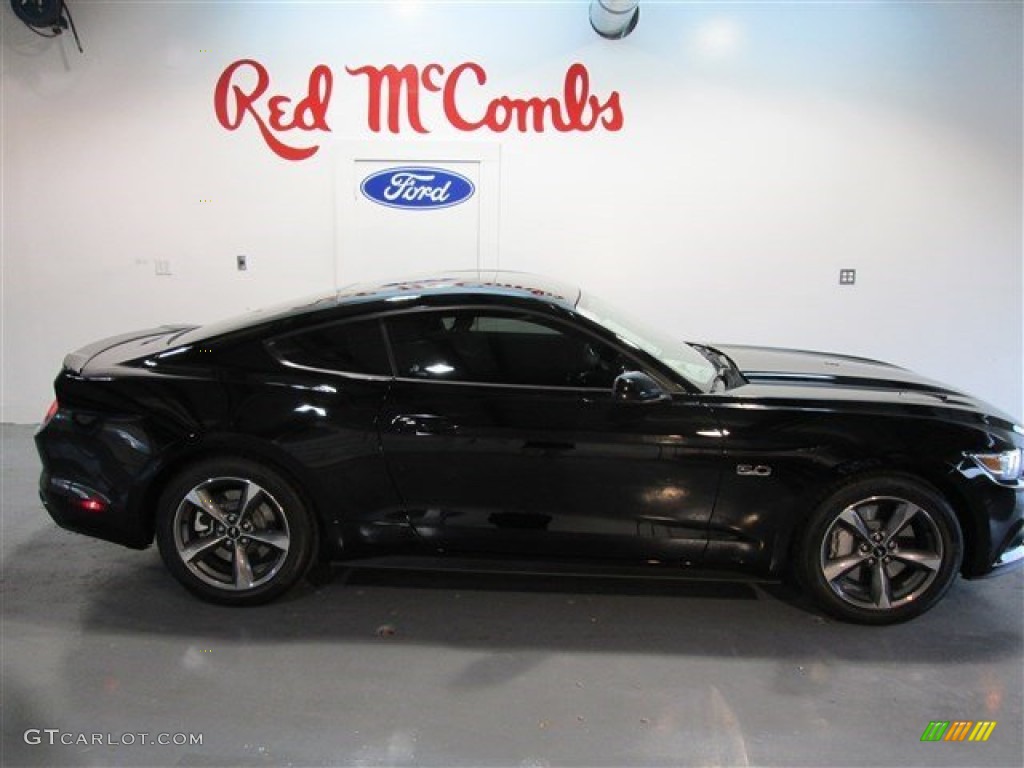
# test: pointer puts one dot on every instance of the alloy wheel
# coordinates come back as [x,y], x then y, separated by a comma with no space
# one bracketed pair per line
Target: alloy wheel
[881,553]
[231,533]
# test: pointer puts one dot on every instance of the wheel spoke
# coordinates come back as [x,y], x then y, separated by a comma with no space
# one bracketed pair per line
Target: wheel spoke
[839,567]
[927,560]
[243,571]
[854,522]
[250,492]
[881,590]
[275,539]
[201,499]
[200,546]
[900,517]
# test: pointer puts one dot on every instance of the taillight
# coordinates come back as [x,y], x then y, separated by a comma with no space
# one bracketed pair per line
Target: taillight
[50,412]
[92,505]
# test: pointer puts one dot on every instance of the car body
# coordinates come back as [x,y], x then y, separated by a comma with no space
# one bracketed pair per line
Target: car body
[502,420]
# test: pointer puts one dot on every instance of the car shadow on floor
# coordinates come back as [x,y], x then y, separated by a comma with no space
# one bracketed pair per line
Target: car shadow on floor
[77,584]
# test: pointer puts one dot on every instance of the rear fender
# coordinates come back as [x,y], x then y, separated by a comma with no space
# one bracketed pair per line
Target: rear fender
[214,445]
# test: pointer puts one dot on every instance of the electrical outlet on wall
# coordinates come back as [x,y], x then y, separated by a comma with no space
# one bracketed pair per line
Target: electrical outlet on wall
[847,276]
[242,262]
[162,266]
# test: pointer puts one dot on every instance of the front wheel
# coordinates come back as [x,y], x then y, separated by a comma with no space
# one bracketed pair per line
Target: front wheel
[234,532]
[880,550]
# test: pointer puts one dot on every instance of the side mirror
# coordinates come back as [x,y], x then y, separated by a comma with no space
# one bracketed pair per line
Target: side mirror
[637,387]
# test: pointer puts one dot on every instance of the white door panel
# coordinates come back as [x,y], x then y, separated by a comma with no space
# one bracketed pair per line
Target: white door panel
[377,241]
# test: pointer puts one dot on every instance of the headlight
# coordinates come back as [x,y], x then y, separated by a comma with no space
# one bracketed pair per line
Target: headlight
[1004,466]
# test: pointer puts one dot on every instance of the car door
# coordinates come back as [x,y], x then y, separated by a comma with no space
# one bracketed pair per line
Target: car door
[323,408]
[502,436]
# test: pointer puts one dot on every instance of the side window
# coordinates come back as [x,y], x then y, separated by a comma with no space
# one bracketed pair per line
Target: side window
[354,347]
[484,346]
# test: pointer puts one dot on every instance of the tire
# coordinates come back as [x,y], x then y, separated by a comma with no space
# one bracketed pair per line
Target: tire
[880,549]
[234,532]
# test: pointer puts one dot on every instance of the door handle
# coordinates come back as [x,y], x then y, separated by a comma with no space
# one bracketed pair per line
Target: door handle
[422,424]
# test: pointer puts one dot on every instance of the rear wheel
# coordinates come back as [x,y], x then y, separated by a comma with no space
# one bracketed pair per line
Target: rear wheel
[880,550]
[234,532]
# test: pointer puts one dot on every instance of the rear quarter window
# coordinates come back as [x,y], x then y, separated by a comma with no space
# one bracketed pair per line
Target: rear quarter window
[348,347]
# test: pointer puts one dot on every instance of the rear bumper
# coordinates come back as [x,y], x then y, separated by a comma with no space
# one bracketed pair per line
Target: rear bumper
[91,468]
[79,508]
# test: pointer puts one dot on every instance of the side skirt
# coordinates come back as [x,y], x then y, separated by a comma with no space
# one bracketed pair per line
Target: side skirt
[538,568]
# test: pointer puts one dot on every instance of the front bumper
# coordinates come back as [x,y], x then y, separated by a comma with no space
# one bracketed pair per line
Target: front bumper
[1011,553]
[993,522]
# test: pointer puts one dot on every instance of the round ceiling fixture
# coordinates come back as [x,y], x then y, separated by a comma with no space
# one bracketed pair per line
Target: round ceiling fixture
[51,15]
[39,13]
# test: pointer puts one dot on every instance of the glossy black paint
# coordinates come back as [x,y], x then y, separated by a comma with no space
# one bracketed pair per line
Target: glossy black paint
[562,473]
[568,475]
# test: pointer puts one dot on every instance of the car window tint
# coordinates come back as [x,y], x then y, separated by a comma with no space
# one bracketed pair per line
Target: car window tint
[499,348]
[356,347]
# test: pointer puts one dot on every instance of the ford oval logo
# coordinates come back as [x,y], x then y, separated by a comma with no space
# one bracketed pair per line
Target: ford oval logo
[417,187]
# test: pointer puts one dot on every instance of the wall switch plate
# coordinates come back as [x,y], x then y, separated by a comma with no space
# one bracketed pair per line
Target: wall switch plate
[163,266]
[847,276]
[242,261]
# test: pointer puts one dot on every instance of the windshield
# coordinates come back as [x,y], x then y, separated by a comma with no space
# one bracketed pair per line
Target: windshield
[677,355]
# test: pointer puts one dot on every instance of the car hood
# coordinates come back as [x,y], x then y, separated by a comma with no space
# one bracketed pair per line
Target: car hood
[766,365]
[801,376]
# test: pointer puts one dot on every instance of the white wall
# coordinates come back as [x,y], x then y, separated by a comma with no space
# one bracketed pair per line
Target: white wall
[765,146]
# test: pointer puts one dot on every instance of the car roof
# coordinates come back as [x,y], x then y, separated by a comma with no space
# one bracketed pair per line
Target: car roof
[458,283]
[492,282]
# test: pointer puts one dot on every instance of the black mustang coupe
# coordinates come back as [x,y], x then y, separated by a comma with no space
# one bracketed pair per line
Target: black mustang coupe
[504,421]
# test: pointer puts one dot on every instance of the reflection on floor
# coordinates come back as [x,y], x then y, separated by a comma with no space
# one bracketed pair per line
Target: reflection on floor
[401,668]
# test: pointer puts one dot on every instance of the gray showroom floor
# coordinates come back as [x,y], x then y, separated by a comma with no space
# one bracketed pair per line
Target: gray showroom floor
[478,671]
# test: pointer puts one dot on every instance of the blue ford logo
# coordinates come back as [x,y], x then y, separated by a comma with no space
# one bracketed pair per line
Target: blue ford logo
[417,187]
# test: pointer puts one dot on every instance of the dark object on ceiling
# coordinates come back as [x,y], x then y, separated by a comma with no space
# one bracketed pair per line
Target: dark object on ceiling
[51,15]
[614,19]
[500,421]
